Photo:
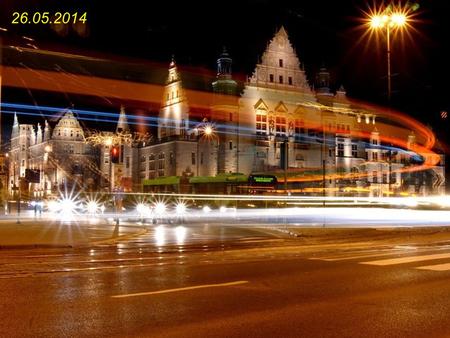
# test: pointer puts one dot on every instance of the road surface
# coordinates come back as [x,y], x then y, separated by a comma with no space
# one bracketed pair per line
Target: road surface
[229,282]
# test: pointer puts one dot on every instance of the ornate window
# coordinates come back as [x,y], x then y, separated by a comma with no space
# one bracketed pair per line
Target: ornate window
[261,122]
[280,125]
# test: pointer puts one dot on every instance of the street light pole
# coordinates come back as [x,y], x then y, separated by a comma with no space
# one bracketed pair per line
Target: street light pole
[389,19]
[388,51]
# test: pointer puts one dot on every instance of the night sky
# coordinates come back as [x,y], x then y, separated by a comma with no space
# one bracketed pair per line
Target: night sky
[323,32]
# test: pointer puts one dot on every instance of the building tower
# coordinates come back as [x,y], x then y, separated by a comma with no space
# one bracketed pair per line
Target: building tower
[174,112]
[224,114]
[323,81]
[20,142]
[122,124]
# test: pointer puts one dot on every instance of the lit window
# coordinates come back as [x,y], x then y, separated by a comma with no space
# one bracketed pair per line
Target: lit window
[280,125]
[261,122]
[299,127]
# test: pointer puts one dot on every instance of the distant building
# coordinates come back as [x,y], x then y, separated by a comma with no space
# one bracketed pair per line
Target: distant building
[60,157]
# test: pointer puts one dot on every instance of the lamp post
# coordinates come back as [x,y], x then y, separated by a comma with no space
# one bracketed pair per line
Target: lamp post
[389,20]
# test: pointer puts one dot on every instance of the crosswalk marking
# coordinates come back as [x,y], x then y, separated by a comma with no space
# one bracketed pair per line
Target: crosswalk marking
[437,267]
[404,260]
[342,258]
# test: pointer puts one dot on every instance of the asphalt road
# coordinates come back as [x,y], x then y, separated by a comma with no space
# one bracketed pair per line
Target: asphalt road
[227,282]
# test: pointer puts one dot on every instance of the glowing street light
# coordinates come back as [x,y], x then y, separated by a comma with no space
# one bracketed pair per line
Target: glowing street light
[92,207]
[208,130]
[390,19]
[108,141]
[180,208]
[160,208]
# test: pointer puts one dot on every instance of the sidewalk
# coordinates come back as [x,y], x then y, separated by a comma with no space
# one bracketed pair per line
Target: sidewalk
[49,233]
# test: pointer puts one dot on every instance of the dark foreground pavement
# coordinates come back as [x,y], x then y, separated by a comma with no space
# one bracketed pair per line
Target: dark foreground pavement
[262,286]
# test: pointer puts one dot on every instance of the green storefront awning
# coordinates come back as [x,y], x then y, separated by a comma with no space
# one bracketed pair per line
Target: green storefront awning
[221,178]
[169,180]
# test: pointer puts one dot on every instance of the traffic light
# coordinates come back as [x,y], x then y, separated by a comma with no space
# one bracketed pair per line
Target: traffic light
[115,154]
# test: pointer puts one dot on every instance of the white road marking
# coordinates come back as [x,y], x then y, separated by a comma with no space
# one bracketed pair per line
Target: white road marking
[204,286]
[342,258]
[437,267]
[404,260]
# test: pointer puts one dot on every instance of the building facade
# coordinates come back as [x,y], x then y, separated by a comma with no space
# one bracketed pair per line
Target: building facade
[275,123]
[43,161]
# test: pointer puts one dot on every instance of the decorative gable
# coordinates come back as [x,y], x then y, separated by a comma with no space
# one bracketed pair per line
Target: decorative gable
[261,105]
[281,108]
[280,66]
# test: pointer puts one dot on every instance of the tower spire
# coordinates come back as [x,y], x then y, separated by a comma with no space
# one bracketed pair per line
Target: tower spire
[122,124]
[224,63]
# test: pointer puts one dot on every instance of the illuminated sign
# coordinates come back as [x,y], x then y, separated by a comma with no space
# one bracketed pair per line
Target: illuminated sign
[263,179]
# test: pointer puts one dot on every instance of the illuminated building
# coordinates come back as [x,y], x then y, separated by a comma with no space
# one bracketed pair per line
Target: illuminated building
[224,131]
[278,106]
[59,157]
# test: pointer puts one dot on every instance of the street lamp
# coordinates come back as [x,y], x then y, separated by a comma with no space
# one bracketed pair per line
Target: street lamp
[389,20]
[204,129]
